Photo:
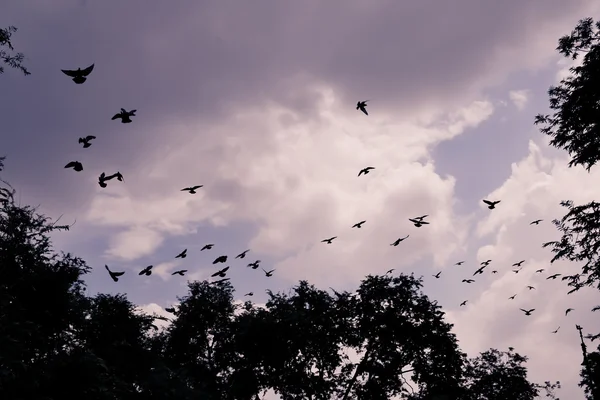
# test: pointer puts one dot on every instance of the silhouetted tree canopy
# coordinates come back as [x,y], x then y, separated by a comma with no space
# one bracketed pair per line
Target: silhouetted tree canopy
[575,124]
[6,51]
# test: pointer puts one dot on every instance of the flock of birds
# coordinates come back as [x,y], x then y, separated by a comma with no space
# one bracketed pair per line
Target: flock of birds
[80,76]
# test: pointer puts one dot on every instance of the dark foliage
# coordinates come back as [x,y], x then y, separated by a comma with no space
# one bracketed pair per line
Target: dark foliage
[6,48]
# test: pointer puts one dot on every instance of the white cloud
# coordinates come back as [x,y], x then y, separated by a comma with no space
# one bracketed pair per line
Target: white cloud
[520,98]
[153,308]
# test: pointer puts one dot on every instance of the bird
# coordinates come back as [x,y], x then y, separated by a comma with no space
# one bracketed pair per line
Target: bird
[170,309]
[389,271]
[539,271]
[437,276]
[468,280]
[460,263]
[553,276]
[362,106]
[516,271]
[268,273]
[365,171]
[124,115]
[249,294]
[255,264]
[494,272]
[183,254]
[114,275]
[556,330]
[422,217]
[418,223]
[479,271]
[220,259]
[76,165]
[518,264]
[491,204]
[220,272]
[536,222]
[530,287]
[397,242]
[219,281]
[146,271]
[568,310]
[512,297]
[207,246]
[86,141]
[242,254]
[464,303]
[102,180]
[79,75]
[527,312]
[180,272]
[358,224]
[328,241]
[486,263]
[192,189]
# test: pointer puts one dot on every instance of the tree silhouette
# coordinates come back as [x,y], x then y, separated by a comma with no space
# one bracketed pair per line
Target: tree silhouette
[574,126]
[6,47]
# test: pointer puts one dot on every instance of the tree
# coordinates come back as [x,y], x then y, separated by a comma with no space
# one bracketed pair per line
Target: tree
[12,60]
[575,124]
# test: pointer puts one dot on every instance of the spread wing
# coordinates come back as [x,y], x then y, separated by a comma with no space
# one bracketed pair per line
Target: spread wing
[90,137]
[71,164]
[118,273]
[117,116]
[87,71]
[70,73]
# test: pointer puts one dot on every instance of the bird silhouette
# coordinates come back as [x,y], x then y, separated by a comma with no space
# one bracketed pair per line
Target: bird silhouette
[527,312]
[192,189]
[124,116]
[358,224]
[530,287]
[460,263]
[486,263]
[568,310]
[494,271]
[76,165]
[464,303]
[362,106]
[418,222]
[512,297]
[220,259]
[180,272]
[437,276]
[170,309]
[102,180]
[468,280]
[518,264]
[365,171]
[86,141]
[255,264]
[539,271]
[516,271]
[146,271]
[207,246]
[219,281]
[491,204]
[328,241]
[183,254]
[479,271]
[389,271]
[556,330]
[553,276]
[242,254]
[536,222]
[269,273]
[249,294]
[397,242]
[78,75]
[220,272]
[114,275]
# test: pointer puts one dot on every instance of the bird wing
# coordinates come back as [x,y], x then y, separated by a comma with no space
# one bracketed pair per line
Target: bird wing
[117,116]
[184,189]
[118,273]
[197,187]
[87,71]
[487,202]
[70,73]
[90,137]
[70,165]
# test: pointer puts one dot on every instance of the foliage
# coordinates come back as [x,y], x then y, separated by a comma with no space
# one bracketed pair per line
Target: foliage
[12,60]
[574,126]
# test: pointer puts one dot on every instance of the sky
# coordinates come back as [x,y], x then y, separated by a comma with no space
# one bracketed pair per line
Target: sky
[256,101]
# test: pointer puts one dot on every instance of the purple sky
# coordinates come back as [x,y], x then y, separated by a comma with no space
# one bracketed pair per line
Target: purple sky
[255,100]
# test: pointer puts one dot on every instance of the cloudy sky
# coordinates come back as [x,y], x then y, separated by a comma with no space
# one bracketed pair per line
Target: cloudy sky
[256,101]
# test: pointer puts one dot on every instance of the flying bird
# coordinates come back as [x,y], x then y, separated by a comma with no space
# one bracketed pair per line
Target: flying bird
[568,310]
[536,222]
[124,116]
[516,271]
[553,276]
[389,271]
[220,259]
[437,275]
[255,264]
[468,280]
[397,242]
[491,204]
[269,273]
[183,254]
[530,287]
[365,171]
[460,263]
[556,330]
[418,222]
[114,275]
[249,294]
[362,106]
[494,271]
[220,272]
[358,224]
[328,241]
[479,271]
[86,141]
[512,297]
[146,271]
[518,264]
[242,254]
[486,263]
[539,271]
[219,281]
[76,165]
[464,303]
[192,189]
[527,312]
[180,272]
[170,309]
[207,246]
[102,180]
[78,75]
